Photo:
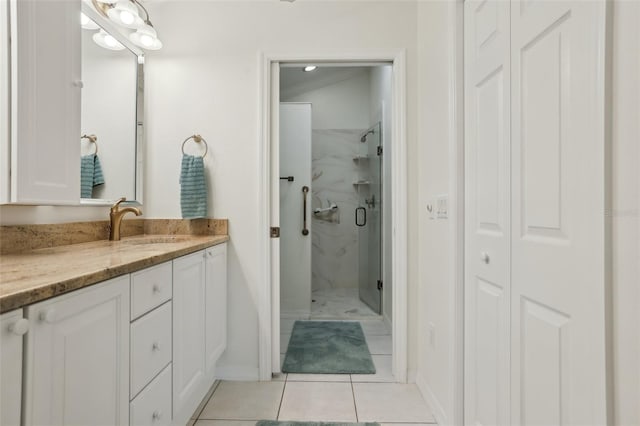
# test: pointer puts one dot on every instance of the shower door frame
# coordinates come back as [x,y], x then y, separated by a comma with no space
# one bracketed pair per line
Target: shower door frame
[268,196]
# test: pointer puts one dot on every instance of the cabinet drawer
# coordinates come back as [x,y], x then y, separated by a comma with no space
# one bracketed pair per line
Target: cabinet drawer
[150,346]
[150,288]
[153,406]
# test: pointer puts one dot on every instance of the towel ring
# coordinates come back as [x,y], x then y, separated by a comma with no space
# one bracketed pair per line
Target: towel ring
[92,139]
[196,138]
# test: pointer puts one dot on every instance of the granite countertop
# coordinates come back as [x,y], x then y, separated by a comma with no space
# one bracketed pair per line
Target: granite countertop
[36,275]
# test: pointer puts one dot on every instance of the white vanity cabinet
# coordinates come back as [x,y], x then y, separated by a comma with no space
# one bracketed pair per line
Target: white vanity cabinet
[77,357]
[12,327]
[199,326]
[41,155]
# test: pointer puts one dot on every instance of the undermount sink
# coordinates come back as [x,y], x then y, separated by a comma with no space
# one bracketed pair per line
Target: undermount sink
[156,239]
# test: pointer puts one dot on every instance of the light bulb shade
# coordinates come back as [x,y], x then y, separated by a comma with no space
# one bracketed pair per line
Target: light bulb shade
[87,23]
[147,38]
[125,13]
[106,40]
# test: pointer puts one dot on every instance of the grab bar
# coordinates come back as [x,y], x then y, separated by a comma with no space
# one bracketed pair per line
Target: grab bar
[305,190]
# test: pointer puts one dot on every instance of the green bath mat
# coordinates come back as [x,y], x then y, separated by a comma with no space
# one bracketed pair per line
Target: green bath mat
[328,347]
[277,423]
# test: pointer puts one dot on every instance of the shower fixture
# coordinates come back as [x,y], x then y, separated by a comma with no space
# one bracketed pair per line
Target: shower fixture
[364,137]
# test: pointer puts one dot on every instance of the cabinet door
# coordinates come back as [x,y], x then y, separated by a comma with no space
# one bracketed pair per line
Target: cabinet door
[45,101]
[12,327]
[216,309]
[77,358]
[189,384]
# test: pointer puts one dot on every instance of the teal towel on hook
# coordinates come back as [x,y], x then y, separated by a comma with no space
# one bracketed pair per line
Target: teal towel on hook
[193,187]
[90,175]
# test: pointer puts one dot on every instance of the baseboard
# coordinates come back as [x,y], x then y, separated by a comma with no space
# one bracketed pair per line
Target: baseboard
[297,315]
[432,401]
[238,373]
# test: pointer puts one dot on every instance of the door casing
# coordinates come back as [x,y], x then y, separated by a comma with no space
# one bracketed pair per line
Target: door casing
[268,196]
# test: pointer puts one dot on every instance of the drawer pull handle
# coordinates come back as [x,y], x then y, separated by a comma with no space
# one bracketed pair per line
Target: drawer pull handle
[156,346]
[156,289]
[19,327]
[157,415]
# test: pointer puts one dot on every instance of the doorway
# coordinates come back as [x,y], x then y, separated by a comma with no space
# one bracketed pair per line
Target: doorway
[270,192]
[331,192]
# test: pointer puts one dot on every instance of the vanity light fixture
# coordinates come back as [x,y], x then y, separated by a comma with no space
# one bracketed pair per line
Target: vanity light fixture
[310,68]
[126,14]
[87,23]
[106,40]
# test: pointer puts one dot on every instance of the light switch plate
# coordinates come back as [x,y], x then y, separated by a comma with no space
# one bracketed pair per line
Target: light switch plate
[442,206]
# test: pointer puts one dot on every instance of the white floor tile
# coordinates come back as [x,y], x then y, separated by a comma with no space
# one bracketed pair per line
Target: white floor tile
[286,325]
[339,303]
[294,377]
[375,328]
[225,423]
[280,377]
[380,345]
[390,402]
[384,371]
[316,401]
[405,424]
[284,342]
[244,401]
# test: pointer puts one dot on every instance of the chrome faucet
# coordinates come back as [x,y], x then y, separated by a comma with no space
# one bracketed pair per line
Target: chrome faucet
[116,214]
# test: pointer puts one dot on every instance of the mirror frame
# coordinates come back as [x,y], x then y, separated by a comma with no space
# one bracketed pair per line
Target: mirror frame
[112,29]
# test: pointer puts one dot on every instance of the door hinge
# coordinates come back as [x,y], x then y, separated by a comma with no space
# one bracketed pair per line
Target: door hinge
[379,284]
[275,232]
[379,151]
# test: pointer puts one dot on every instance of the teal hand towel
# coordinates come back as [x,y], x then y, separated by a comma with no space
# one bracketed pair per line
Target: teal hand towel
[90,175]
[193,187]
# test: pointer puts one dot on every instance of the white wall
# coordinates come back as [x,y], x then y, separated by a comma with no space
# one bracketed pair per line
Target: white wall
[205,80]
[436,71]
[380,110]
[625,213]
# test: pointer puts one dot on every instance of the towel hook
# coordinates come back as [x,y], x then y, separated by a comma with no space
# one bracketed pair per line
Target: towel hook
[92,139]
[196,138]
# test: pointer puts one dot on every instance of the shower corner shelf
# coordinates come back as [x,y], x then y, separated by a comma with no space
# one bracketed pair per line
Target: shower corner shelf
[362,182]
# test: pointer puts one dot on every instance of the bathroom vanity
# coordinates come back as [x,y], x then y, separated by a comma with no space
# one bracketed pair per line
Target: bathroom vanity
[116,333]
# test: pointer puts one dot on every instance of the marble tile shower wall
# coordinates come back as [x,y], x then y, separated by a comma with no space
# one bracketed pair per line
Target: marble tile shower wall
[334,235]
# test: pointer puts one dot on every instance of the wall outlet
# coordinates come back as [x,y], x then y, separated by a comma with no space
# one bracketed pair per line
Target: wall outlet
[442,206]
[431,332]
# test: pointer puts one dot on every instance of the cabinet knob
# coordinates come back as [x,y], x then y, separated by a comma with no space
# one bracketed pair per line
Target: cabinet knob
[19,327]
[48,316]
[78,83]
[484,257]
[156,289]
[157,415]
[156,346]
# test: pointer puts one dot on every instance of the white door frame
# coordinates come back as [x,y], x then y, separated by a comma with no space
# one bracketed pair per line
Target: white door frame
[268,302]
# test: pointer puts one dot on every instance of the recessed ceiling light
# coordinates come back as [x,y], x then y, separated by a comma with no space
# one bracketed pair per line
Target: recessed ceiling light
[309,68]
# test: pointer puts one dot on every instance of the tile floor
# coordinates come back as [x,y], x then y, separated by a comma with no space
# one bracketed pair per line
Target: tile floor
[339,303]
[322,397]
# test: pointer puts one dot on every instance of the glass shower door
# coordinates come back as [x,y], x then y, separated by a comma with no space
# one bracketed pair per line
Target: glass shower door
[369,218]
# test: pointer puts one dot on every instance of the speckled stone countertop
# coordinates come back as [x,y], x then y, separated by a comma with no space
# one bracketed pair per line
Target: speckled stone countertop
[32,276]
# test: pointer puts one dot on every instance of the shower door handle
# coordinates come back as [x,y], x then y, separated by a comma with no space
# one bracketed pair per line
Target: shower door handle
[305,191]
[364,216]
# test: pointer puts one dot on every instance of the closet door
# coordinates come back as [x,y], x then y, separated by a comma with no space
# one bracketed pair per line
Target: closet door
[487,293]
[558,213]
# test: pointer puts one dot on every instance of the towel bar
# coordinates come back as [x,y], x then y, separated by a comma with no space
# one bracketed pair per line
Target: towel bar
[196,138]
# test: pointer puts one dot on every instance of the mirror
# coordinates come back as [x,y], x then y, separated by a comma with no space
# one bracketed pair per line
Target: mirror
[111,114]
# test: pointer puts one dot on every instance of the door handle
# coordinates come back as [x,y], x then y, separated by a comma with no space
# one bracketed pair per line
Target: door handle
[364,216]
[305,191]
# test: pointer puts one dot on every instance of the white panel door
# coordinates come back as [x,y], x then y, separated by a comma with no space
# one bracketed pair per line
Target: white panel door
[45,101]
[12,328]
[216,309]
[487,81]
[558,207]
[77,357]
[189,379]
[295,247]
